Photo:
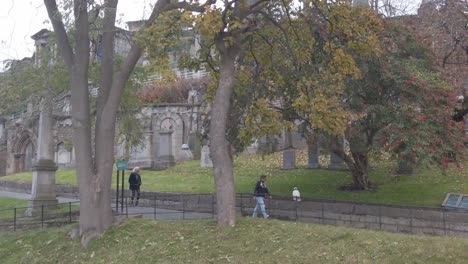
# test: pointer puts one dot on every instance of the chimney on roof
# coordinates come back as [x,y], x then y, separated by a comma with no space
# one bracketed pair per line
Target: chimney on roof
[361,3]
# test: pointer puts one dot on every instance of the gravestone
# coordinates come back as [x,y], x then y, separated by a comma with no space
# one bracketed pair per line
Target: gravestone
[289,159]
[165,157]
[205,161]
[313,156]
[185,153]
[336,162]
[405,167]
[406,162]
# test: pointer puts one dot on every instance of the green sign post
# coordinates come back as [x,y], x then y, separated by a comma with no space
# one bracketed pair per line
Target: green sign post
[121,166]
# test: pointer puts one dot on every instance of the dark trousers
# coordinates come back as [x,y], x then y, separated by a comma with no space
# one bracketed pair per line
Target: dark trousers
[136,192]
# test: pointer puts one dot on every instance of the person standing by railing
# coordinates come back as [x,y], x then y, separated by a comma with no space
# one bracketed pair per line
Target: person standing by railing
[135,182]
[259,195]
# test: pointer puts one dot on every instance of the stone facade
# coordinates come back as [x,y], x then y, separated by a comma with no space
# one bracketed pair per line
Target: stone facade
[166,127]
[160,123]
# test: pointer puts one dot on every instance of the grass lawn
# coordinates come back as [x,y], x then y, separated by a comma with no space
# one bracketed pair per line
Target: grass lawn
[251,241]
[427,188]
[7,212]
[6,205]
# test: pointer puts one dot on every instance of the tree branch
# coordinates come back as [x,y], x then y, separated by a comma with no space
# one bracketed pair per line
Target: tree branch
[107,66]
[59,29]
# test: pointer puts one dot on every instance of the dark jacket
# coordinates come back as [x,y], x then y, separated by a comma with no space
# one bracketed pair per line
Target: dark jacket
[260,189]
[135,181]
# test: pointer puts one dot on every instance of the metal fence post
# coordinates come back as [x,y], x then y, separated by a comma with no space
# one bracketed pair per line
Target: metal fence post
[70,212]
[183,207]
[212,205]
[123,194]
[411,221]
[295,203]
[126,206]
[380,217]
[42,216]
[322,214]
[117,193]
[443,220]
[242,204]
[154,207]
[14,219]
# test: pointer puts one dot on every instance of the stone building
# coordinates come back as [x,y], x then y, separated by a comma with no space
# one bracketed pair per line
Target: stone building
[167,126]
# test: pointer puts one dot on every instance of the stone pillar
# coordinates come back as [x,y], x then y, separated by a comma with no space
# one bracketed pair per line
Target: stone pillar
[194,144]
[289,159]
[43,179]
[336,162]
[165,158]
[43,187]
[205,161]
[313,153]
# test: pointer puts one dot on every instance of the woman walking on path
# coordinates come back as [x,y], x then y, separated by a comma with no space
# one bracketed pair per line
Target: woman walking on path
[135,182]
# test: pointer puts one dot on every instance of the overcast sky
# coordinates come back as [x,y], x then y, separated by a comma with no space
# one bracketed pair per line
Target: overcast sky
[20,19]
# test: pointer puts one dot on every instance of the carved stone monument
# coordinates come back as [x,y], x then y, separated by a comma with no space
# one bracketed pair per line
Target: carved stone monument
[186,153]
[43,193]
[313,154]
[289,159]
[194,143]
[165,158]
[289,154]
[205,161]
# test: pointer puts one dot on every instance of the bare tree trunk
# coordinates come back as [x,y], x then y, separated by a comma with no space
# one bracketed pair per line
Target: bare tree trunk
[44,142]
[219,146]
[94,174]
[360,172]
[358,163]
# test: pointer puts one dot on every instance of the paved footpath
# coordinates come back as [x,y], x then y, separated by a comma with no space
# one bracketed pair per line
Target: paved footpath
[146,212]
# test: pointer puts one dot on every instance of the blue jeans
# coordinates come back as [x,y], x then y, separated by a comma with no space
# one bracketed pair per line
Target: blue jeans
[261,204]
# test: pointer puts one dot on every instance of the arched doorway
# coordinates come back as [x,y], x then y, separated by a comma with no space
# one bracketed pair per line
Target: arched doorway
[28,157]
[24,153]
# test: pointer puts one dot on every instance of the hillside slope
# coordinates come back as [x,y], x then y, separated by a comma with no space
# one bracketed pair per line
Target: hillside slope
[251,241]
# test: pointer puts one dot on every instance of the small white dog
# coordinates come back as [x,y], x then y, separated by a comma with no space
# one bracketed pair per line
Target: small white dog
[296,195]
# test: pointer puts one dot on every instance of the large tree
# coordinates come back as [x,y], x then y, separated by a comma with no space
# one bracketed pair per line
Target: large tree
[302,64]
[223,30]
[226,29]
[405,105]
[95,159]
[343,75]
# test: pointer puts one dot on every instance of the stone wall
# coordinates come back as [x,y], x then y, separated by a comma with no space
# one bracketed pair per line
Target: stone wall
[405,219]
